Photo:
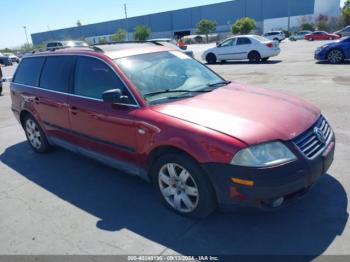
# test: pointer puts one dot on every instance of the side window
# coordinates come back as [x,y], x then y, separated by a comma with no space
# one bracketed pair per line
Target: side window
[229,42]
[28,72]
[57,73]
[93,77]
[51,45]
[243,41]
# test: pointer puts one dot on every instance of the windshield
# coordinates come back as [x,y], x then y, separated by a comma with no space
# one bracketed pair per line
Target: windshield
[167,75]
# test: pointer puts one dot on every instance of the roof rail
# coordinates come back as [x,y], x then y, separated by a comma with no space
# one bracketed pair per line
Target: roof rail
[53,49]
[129,42]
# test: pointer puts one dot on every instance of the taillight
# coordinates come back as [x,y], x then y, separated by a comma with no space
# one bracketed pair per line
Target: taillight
[270,45]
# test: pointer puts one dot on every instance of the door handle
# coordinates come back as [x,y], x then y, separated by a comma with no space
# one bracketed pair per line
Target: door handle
[73,110]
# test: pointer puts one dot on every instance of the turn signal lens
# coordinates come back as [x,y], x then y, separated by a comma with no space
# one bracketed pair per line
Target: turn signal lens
[242,181]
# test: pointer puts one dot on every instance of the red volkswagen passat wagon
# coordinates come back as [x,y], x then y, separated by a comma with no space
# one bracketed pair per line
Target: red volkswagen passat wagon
[155,112]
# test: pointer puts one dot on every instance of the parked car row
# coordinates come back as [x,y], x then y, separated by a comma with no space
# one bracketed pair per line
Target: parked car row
[259,49]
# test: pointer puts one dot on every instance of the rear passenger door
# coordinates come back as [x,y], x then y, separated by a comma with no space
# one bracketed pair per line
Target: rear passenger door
[41,85]
[52,101]
[102,130]
[242,48]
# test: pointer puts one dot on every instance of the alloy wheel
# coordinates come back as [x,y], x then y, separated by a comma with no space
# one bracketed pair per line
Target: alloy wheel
[335,57]
[178,187]
[33,134]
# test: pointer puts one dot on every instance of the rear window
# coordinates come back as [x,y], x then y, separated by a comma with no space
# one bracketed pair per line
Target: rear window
[243,41]
[57,73]
[28,72]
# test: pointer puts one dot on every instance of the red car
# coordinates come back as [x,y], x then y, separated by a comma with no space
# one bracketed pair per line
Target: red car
[320,35]
[154,112]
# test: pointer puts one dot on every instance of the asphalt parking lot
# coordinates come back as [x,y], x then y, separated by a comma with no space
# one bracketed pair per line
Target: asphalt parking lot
[62,203]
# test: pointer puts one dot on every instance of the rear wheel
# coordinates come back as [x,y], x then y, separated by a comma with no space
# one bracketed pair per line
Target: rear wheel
[183,186]
[35,135]
[254,57]
[335,56]
[211,58]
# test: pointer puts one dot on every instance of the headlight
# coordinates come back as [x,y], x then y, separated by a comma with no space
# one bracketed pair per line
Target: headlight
[263,155]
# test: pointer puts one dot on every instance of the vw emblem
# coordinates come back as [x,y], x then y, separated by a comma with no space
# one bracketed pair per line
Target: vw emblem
[320,135]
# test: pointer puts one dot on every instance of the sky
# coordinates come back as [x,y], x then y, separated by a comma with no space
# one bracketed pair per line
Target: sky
[44,15]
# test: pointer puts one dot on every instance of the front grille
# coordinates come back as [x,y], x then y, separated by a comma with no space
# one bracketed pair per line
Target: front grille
[308,142]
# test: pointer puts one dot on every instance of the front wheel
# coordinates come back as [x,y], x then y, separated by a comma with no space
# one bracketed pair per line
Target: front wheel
[211,58]
[335,56]
[183,186]
[35,135]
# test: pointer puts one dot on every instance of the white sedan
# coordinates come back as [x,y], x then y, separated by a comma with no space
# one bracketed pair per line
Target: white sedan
[252,47]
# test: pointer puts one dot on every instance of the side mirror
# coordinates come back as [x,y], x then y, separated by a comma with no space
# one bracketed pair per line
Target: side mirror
[114,96]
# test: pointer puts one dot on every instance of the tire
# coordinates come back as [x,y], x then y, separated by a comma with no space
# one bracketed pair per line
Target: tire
[311,39]
[211,58]
[35,135]
[254,57]
[335,56]
[265,59]
[183,186]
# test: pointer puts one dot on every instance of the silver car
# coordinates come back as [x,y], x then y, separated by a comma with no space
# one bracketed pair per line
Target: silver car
[343,32]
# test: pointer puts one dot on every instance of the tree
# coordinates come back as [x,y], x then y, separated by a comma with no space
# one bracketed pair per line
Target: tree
[205,27]
[79,23]
[243,26]
[322,23]
[346,12]
[307,27]
[141,32]
[102,41]
[119,35]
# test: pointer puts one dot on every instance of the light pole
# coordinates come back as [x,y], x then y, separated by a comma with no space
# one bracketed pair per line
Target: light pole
[25,32]
[126,22]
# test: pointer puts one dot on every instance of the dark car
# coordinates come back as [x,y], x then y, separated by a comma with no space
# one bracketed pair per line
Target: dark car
[156,113]
[0,81]
[5,60]
[335,53]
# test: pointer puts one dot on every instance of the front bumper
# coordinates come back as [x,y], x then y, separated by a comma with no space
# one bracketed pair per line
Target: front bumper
[284,181]
[320,54]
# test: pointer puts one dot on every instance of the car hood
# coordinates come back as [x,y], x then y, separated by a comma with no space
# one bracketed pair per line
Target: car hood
[252,115]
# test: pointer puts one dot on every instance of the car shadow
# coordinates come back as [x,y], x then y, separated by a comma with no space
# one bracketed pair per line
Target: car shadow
[305,228]
[346,62]
[268,62]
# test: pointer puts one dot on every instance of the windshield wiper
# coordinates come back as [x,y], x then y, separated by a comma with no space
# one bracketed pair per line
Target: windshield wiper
[176,91]
[222,83]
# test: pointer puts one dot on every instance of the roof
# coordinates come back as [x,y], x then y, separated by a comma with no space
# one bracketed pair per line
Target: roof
[113,51]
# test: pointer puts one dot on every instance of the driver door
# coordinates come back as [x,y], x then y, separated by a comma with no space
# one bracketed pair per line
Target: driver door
[103,131]
[225,51]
